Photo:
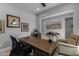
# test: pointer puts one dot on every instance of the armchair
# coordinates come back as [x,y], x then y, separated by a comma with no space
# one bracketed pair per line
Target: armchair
[66,49]
[69,46]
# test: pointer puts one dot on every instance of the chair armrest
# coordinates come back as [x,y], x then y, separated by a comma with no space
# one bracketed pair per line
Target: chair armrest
[62,40]
[66,44]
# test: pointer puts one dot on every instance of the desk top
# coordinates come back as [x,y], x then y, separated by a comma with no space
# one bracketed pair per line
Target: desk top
[41,44]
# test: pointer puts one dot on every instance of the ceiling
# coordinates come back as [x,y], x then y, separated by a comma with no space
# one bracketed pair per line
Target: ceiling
[32,7]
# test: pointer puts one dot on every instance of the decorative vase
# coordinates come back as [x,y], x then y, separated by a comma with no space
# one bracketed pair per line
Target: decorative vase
[50,41]
[35,35]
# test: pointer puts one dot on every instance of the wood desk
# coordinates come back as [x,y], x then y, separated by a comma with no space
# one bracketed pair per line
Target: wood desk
[40,46]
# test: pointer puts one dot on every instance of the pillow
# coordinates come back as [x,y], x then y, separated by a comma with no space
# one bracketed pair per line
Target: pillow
[74,36]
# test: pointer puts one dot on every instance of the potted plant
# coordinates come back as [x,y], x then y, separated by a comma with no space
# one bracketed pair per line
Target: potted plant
[51,35]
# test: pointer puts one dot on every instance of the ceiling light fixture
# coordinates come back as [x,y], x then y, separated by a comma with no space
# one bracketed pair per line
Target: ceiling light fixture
[37,9]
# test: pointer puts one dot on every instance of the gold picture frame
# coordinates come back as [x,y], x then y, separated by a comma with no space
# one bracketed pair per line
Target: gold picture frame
[24,27]
[13,21]
[2,26]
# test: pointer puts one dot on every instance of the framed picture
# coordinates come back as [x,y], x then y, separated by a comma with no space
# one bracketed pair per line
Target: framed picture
[24,27]
[54,25]
[2,26]
[13,21]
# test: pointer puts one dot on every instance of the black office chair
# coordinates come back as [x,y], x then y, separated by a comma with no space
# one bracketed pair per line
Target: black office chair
[18,49]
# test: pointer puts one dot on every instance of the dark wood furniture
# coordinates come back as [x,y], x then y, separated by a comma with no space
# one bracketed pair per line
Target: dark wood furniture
[40,46]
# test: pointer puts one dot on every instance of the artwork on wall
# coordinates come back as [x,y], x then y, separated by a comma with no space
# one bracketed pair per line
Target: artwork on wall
[13,21]
[2,26]
[54,25]
[24,27]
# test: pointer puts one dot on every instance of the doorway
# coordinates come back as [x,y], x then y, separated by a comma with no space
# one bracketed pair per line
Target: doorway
[68,26]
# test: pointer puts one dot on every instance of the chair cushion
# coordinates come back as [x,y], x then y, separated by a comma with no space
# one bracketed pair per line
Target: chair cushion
[72,41]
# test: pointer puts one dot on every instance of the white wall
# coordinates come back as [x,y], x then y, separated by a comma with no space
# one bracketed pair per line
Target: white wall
[60,18]
[63,8]
[25,17]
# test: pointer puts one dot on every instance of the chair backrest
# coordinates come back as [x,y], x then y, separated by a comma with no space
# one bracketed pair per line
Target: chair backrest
[73,39]
[74,36]
[14,41]
[15,51]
